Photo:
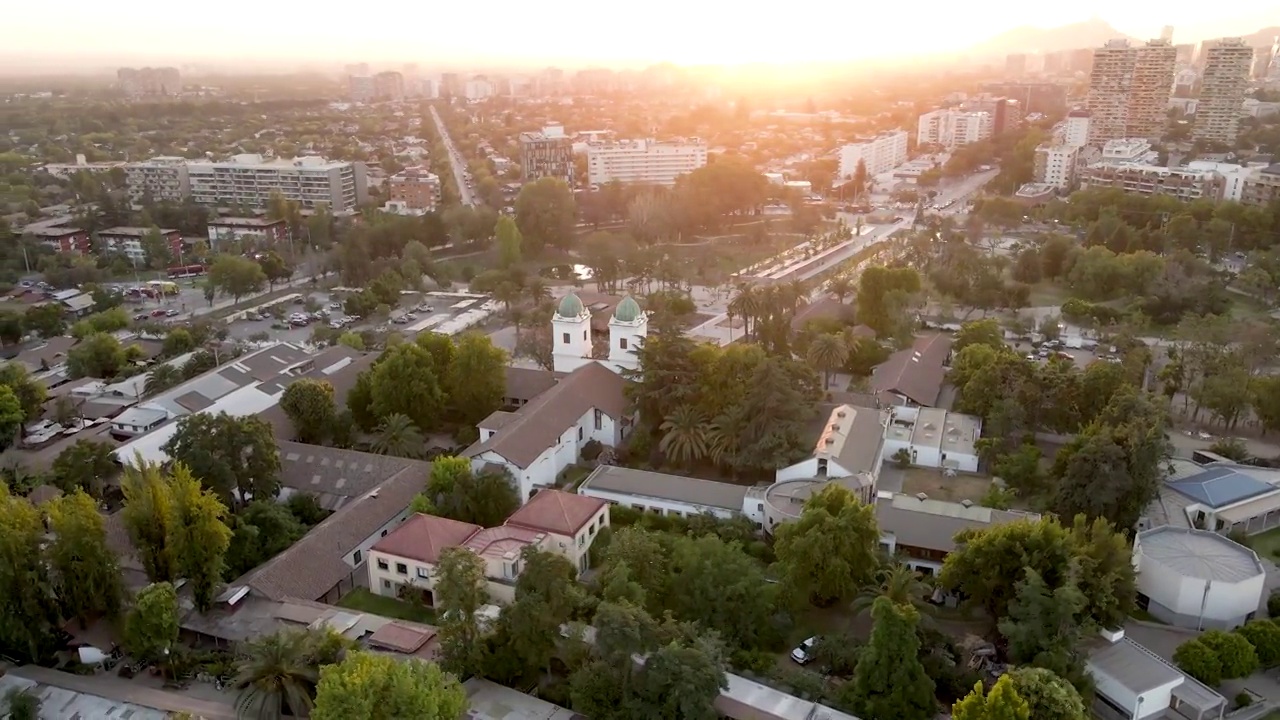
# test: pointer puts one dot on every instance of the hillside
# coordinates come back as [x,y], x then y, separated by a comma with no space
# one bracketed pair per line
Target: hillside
[1090,33]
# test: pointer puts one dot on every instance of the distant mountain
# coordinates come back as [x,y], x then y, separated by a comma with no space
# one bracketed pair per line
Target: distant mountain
[1090,33]
[1263,38]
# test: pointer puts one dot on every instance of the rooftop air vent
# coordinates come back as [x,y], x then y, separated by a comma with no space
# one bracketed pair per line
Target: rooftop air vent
[967,503]
[921,496]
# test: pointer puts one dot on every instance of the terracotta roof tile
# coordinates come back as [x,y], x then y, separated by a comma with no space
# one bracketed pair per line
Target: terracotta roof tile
[556,512]
[423,537]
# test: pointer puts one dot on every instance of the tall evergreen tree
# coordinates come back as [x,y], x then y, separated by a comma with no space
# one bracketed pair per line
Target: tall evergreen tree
[200,537]
[1002,703]
[890,682]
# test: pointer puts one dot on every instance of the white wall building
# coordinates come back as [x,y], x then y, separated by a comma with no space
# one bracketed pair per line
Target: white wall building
[933,437]
[162,179]
[1075,130]
[478,89]
[951,128]
[1234,177]
[647,162]
[1129,150]
[880,154]
[1056,165]
[250,180]
[1197,578]
[672,494]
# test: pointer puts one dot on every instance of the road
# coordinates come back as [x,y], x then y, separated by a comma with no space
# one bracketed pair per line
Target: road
[456,161]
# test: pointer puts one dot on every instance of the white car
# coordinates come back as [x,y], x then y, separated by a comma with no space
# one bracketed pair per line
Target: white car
[803,653]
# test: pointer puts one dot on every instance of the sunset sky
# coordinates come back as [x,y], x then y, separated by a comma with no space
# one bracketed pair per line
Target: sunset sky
[573,32]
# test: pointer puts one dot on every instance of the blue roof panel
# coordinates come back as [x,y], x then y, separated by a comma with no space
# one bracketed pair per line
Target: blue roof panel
[1218,487]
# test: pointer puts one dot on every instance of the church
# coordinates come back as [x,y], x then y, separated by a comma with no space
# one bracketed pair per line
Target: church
[586,403]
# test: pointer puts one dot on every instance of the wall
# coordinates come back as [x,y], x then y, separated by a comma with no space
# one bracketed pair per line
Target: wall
[1154,702]
[1182,601]
[803,470]
[363,548]
[663,506]
[576,549]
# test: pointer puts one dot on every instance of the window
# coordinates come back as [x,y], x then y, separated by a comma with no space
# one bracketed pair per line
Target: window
[584,334]
[386,584]
[355,559]
[566,338]
[599,420]
[622,343]
[424,573]
[382,565]
[402,569]
[384,533]
[582,539]
[579,433]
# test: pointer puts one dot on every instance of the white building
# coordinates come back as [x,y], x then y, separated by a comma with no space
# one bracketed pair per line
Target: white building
[951,128]
[1234,177]
[671,494]
[933,437]
[1135,683]
[850,446]
[1129,150]
[647,162]
[478,89]
[1075,130]
[880,154]
[162,179]
[1197,578]
[1056,165]
[251,180]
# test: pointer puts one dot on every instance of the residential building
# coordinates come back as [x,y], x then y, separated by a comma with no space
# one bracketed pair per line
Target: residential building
[645,162]
[388,85]
[478,88]
[1262,58]
[128,240]
[149,82]
[1006,113]
[160,179]
[1263,187]
[1235,178]
[251,180]
[1180,183]
[1129,150]
[1166,33]
[417,187]
[1056,165]
[1129,90]
[1044,98]
[1185,53]
[951,128]
[914,376]
[1222,91]
[880,154]
[1015,65]
[225,229]
[69,240]
[1221,497]
[1075,129]
[361,88]
[405,560]
[849,446]
[1197,579]
[547,154]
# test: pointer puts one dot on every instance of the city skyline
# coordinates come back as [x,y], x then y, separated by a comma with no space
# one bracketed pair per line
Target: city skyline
[90,34]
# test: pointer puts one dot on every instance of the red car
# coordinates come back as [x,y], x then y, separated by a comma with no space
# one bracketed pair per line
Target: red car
[157,313]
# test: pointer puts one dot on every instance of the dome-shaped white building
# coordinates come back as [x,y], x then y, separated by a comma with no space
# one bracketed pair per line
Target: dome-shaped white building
[1196,578]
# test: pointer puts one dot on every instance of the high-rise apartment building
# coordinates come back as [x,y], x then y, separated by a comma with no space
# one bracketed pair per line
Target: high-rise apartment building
[149,82]
[879,154]
[1006,113]
[417,187]
[160,179]
[1056,165]
[250,180]
[951,128]
[1129,90]
[546,154]
[1075,129]
[1185,53]
[1166,33]
[1222,90]
[388,85]
[360,88]
[645,162]
[1262,58]
[1033,97]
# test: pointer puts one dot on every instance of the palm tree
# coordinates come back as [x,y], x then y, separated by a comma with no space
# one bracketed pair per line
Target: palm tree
[684,438]
[397,435]
[747,305]
[161,378]
[842,287]
[276,675]
[506,293]
[900,584]
[827,353]
[537,291]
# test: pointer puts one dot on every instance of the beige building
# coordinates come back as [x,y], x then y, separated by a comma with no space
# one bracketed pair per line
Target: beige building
[1222,91]
[644,162]
[162,179]
[250,180]
[404,562]
[1129,90]
[1181,183]
[417,187]
[1056,165]
[1263,187]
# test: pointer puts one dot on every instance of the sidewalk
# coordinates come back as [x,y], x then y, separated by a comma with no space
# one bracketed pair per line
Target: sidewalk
[118,689]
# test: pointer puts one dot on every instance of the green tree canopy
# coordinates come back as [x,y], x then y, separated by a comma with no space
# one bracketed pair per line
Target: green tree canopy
[1048,696]
[831,550]
[235,457]
[87,465]
[85,569]
[151,626]
[1002,703]
[30,611]
[236,276]
[367,686]
[889,681]
[310,407]
[198,536]
[545,214]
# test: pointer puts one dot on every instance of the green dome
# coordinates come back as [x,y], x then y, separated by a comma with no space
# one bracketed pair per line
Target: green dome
[570,306]
[627,311]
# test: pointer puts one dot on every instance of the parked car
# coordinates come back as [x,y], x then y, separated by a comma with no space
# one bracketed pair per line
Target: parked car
[157,313]
[171,313]
[142,317]
[335,306]
[803,653]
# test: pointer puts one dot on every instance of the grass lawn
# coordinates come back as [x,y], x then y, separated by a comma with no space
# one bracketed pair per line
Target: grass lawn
[931,482]
[572,476]
[363,600]
[1266,544]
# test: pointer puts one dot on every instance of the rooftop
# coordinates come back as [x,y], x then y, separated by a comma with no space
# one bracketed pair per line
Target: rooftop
[851,438]
[556,512]
[661,486]
[1133,667]
[124,231]
[336,476]
[503,541]
[1220,486]
[488,700]
[424,537]
[1199,554]
[916,372]
[933,524]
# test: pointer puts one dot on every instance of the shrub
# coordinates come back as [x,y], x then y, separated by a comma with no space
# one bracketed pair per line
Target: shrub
[1243,699]
[591,450]
[1235,654]
[1264,636]
[1273,604]
[902,459]
[1198,660]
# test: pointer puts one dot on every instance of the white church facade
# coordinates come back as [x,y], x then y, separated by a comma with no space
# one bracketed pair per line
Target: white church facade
[587,403]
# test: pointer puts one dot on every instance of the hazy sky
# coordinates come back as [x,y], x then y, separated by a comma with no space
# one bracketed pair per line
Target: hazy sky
[572,32]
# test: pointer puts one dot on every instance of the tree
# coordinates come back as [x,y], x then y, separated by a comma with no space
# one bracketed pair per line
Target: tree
[509,240]
[367,686]
[828,353]
[199,537]
[830,551]
[274,268]
[178,342]
[476,379]
[454,492]
[398,436]
[980,332]
[30,393]
[86,573]
[546,595]
[147,516]
[151,626]
[161,378]
[30,610]
[889,681]
[263,530]
[310,407]
[545,213]
[236,276]
[156,249]
[1198,660]
[351,340]
[1048,696]
[406,380]
[23,704]
[723,590]
[900,584]
[1002,703]
[276,675]
[876,287]
[235,457]
[1264,636]
[11,417]
[88,465]
[684,436]
[459,594]
[1042,627]
[1234,652]
[46,320]
[97,356]
[684,681]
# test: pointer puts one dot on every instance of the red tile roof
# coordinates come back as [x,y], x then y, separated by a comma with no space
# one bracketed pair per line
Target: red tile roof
[557,512]
[423,537]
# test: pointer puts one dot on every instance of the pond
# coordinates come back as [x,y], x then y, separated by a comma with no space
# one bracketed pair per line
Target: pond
[566,273]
